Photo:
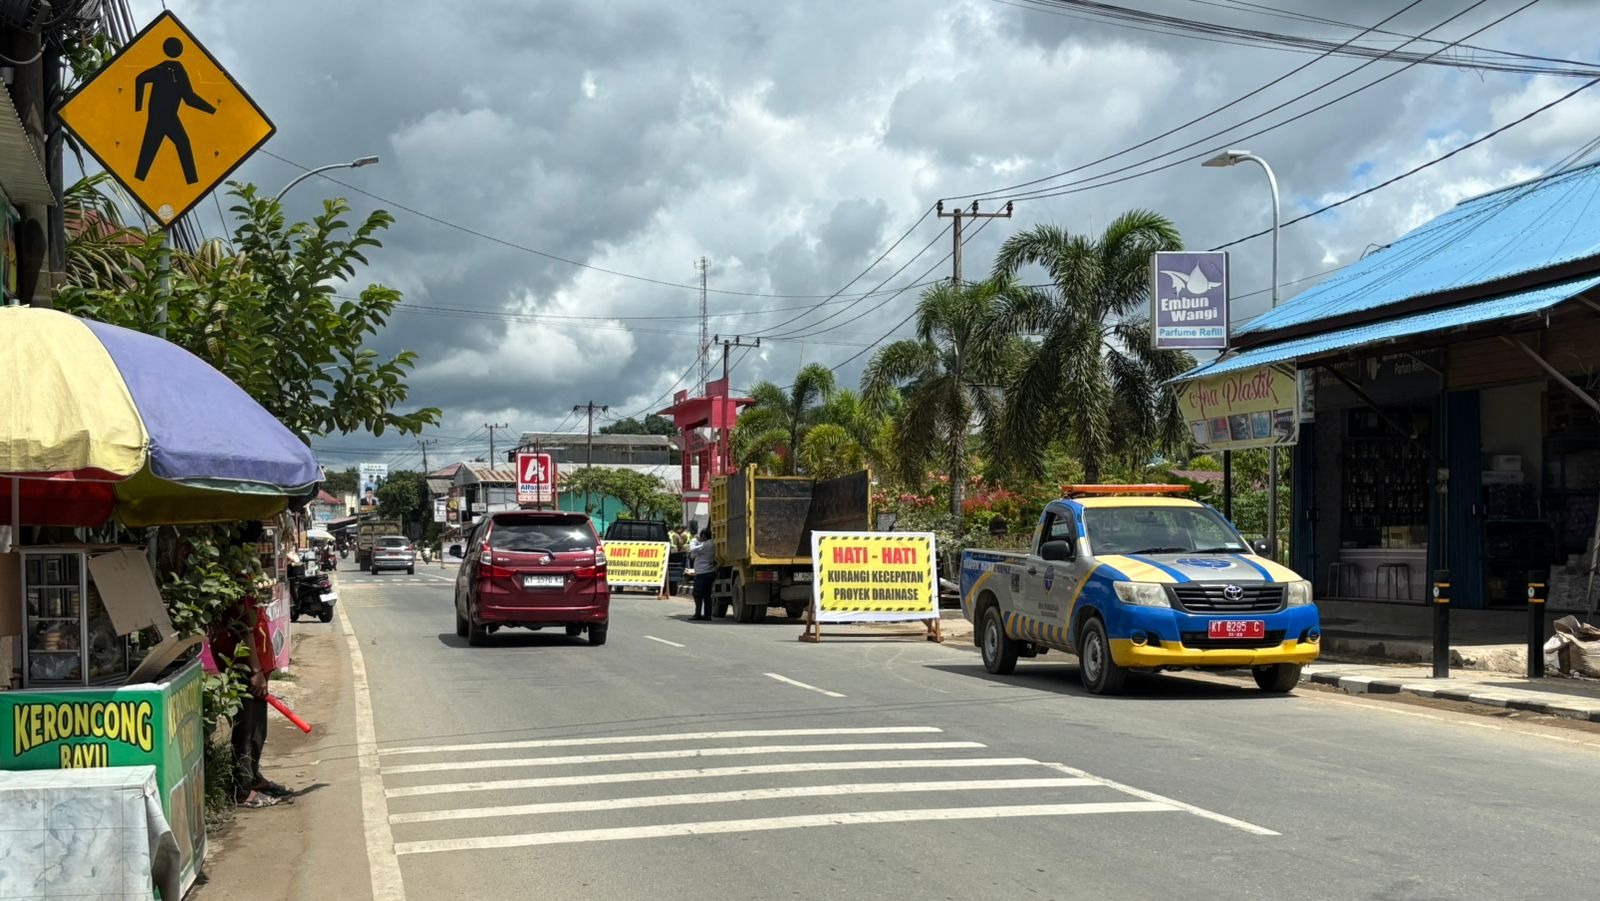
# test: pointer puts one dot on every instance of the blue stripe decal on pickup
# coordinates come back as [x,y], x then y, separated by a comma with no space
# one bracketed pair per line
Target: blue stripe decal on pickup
[1265,576]
[1176,575]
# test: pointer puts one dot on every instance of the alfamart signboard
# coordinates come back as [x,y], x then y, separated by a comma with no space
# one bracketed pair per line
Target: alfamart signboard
[1257,407]
[1189,300]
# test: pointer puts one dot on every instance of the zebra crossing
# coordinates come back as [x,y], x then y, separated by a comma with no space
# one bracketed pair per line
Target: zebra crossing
[473,796]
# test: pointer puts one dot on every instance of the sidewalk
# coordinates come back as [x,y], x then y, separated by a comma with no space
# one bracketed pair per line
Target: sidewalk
[1556,696]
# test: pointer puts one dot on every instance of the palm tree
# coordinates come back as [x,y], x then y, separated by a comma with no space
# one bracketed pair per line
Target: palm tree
[945,377]
[1093,378]
[770,430]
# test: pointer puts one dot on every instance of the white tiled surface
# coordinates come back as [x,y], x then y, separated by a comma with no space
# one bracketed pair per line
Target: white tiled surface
[81,834]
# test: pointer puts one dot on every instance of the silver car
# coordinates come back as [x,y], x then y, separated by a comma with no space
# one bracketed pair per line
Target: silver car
[393,552]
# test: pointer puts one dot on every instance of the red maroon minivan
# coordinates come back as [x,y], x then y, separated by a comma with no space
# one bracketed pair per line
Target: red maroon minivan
[533,569]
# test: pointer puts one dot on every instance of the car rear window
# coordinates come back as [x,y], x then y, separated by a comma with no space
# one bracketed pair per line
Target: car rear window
[541,535]
[393,542]
[637,531]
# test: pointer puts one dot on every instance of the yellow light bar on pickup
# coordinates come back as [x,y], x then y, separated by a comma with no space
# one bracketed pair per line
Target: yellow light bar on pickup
[1108,490]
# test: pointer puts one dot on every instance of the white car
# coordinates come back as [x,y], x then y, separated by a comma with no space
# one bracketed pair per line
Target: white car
[393,552]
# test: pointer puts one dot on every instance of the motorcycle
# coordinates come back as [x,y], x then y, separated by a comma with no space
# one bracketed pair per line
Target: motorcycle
[344,551]
[311,593]
[326,560]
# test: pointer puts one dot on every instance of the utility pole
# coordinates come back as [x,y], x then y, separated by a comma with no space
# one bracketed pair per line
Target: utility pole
[957,215]
[588,460]
[423,443]
[958,444]
[721,435]
[493,427]
[727,343]
[703,266]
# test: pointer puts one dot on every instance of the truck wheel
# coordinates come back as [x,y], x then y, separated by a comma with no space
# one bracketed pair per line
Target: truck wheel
[742,611]
[1279,678]
[721,609]
[795,611]
[1101,674]
[999,651]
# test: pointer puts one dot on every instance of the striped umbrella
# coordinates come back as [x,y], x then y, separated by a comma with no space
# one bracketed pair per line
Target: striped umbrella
[98,421]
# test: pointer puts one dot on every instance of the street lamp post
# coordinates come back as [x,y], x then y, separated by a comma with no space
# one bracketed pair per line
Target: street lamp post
[1233,158]
[356,163]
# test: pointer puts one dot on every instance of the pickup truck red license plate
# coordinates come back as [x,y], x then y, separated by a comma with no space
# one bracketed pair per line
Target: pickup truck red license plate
[1236,628]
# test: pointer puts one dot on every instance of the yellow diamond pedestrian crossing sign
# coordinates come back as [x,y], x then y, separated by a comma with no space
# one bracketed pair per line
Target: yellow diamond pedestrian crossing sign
[166,120]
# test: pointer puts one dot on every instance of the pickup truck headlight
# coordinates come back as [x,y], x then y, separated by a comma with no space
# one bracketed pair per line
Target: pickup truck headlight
[1297,594]
[1142,594]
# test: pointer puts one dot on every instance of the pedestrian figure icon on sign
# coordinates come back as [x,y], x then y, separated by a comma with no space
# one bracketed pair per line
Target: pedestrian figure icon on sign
[169,91]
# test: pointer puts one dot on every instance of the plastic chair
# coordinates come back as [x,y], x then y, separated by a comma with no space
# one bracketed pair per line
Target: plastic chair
[1390,577]
[1341,575]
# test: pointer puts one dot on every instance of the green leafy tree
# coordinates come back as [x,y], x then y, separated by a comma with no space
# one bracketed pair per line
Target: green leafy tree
[268,315]
[340,482]
[1093,379]
[404,495]
[944,379]
[640,493]
[650,425]
[828,450]
[769,431]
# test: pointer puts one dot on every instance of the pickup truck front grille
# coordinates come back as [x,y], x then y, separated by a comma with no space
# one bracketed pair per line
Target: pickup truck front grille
[1202,642]
[1212,597]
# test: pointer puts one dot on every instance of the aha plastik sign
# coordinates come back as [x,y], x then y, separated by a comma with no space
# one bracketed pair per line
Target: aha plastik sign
[636,564]
[873,576]
[1258,407]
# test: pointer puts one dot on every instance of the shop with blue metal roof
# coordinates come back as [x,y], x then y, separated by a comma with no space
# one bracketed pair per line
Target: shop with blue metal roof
[1450,420]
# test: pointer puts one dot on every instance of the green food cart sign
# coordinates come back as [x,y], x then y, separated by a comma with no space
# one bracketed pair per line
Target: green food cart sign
[155,724]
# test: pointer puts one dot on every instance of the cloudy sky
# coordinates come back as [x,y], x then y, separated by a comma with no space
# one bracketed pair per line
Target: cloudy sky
[792,143]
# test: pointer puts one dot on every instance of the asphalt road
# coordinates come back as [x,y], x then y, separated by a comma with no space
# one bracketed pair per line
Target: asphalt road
[712,760]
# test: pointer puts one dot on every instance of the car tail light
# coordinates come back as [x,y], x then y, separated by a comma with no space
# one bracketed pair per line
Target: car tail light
[487,572]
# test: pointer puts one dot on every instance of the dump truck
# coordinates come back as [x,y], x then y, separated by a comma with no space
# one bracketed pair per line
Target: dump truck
[368,530]
[762,527]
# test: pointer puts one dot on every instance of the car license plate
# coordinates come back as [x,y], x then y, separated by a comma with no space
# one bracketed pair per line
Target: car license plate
[802,577]
[1236,628]
[543,581]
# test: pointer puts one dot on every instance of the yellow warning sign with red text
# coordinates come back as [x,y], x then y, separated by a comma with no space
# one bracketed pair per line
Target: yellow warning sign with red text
[873,576]
[636,564]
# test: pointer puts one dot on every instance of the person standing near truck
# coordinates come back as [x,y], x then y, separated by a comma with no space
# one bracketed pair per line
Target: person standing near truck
[703,557]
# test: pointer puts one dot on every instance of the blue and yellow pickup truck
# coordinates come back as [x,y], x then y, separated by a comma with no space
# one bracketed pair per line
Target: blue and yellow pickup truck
[1135,578]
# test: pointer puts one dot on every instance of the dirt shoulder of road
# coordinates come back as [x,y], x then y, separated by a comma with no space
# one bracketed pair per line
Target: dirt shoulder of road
[313,848]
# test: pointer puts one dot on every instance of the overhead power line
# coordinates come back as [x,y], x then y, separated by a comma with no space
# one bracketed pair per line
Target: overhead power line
[1211,140]
[1264,86]
[1480,58]
[438,220]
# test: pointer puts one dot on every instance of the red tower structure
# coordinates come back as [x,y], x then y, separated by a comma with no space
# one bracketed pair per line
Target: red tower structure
[704,424]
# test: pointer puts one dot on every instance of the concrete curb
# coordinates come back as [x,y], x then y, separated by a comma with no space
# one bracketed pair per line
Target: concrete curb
[1459,692]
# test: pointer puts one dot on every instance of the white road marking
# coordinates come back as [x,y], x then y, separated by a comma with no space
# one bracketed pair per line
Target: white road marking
[1530,730]
[677,754]
[765,769]
[788,681]
[764,824]
[1161,799]
[729,797]
[382,864]
[673,736]
[664,641]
